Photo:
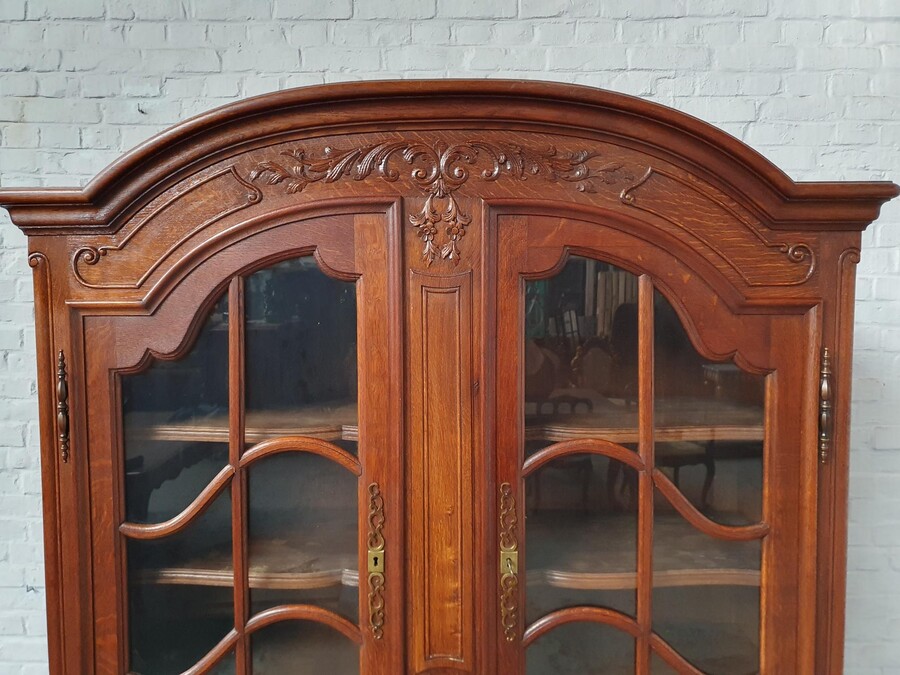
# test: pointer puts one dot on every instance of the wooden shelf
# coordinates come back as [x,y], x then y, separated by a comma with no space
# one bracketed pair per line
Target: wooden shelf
[675,420]
[564,551]
[274,564]
[328,422]
[682,420]
[598,552]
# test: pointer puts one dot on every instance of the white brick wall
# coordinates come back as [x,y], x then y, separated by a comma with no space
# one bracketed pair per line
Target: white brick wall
[813,84]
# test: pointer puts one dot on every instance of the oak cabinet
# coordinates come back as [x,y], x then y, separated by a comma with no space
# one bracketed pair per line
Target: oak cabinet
[433,377]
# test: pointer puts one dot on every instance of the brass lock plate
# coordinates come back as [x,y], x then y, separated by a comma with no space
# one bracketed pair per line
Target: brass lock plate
[376,562]
[509,562]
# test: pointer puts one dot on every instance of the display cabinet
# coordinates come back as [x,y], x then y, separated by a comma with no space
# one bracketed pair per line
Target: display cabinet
[445,377]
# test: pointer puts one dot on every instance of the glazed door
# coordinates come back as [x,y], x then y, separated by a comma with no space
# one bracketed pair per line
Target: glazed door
[655,454]
[258,490]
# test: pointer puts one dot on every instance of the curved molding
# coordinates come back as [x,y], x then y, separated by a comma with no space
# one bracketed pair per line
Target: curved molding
[690,513]
[267,618]
[720,287]
[799,253]
[561,617]
[194,510]
[305,613]
[182,331]
[438,170]
[314,446]
[614,619]
[657,130]
[236,233]
[592,446]
[92,255]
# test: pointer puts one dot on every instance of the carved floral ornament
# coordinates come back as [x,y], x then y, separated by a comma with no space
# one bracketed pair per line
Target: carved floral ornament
[439,170]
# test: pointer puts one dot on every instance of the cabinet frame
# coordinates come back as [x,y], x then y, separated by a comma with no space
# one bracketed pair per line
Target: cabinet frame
[135,237]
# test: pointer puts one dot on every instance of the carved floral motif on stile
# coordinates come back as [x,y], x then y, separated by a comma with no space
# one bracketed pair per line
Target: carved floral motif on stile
[439,170]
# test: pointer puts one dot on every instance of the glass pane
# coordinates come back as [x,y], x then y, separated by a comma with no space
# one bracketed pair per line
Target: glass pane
[303,647]
[660,667]
[303,534]
[706,596]
[709,441]
[716,628]
[581,529]
[709,425]
[301,374]
[175,417]
[180,593]
[581,649]
[226,666]
[581,354]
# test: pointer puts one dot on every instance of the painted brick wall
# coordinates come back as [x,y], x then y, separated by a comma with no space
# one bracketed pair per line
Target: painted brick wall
[813,84]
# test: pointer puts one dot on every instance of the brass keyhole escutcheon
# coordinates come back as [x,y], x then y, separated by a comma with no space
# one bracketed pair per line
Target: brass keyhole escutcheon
[376,562]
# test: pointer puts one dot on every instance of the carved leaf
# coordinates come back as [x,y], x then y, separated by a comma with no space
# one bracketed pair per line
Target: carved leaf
[440,170]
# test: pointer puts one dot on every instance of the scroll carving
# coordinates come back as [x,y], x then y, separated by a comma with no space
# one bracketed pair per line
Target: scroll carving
[826,420]
[62,406]
[799,253]
[376,570]
[509,573]
[439,170]
[208,208]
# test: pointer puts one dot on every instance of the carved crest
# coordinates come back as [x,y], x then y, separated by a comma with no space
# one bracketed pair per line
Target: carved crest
[439,170]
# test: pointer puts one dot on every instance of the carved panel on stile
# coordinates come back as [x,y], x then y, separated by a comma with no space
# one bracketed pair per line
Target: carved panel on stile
[441,462]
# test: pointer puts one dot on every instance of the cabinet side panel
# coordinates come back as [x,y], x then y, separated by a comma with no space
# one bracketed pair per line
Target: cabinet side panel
[441,470]
[46,392]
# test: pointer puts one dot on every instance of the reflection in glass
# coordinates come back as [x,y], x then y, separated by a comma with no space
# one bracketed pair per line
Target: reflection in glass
[301,374]
[581,535]
[303,533]
[581,649]
[171,412]
[709,441]
[303,647]
[716,628]
[709,424]
[581,354]
[581,374]
[180,593]
[706,597]
[226,666]
[660,667]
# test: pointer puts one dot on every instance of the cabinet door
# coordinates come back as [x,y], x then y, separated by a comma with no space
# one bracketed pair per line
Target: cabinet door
[257,498]
[655,455]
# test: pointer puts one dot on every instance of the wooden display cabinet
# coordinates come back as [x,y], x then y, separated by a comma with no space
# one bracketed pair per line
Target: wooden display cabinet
[456,376]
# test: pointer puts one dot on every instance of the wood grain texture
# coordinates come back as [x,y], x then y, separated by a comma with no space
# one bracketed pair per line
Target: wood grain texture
[647,451]
[439,199]
[441,456]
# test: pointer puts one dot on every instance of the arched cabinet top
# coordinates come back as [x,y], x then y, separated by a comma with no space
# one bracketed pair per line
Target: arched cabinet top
[659,132]
[445,152]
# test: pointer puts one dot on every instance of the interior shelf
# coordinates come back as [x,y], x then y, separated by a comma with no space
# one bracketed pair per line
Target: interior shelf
[578,413]
[575,552]
[599,552]
[327,422]
[693,420]
[274,564]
